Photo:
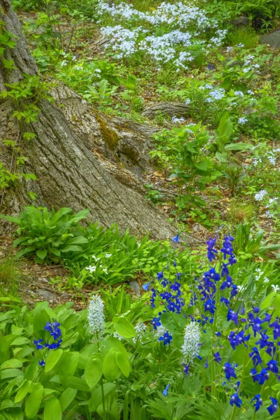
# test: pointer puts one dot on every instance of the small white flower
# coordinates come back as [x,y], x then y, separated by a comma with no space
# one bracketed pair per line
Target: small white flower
[275,288]
[242,120]
[187,101]
[97,71]
[108,255]
[266,280]
[140,329]
[239,93]
[116,335]
[240,45]
[91,268]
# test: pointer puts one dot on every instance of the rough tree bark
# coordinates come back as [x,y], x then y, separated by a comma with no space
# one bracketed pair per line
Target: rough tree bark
[81,159]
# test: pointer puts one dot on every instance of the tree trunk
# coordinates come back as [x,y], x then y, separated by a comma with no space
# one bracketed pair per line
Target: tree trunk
[81,158]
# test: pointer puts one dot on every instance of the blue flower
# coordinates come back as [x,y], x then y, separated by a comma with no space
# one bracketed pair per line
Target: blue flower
[232,316]
[209,306]
[165,391]
[211,252]
[146,286]
[273,407]
[229,371]
[176,239]
[166,338]
[42,362]
[255,356]
[235,400]
[156,322]
[54,346]
[258,402]
[217,357]
[160,275]
[52,327]
[261,377]
[276,330]
[186,369]
[38,345]
[272,366]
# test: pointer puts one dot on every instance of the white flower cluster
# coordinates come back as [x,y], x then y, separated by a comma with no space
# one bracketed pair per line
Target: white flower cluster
[242,120]
[178,120]
[190,348]
[160,331]
[215,95]
[275,288]
[248,65]
[259,274]
[96,319]
[140,329]
[185,22]
[260,195]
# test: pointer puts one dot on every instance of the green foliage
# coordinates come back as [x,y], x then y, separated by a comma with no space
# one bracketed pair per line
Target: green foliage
[48,235]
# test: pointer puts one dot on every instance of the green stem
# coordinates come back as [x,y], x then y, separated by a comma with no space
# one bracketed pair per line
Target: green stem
[102,387]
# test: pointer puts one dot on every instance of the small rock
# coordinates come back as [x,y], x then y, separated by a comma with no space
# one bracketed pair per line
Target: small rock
[272,39]
[45,294]
[241,21]
[135,287]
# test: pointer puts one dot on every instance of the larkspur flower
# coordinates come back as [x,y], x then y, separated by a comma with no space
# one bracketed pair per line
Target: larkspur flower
[273,406]
[186,369]
[166,338]
[235,400]
[229,371]
[272,366]
[42,363]
[255,356]
[96,318]
[38,344]
[190,347]
[257,402]
[217,357]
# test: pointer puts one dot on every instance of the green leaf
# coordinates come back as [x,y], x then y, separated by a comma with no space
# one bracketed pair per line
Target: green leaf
[93,371]
[52,410]
[23,391]
[67,397]
[33,402]
[124,328]
[53,359]
[110,366]
[68,363]
[96,396]
[123,363]
[42,254]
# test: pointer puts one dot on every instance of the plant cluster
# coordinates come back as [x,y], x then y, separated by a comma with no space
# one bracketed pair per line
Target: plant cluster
[201,349]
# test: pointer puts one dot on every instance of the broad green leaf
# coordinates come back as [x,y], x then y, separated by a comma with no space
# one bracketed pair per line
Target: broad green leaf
[93,371]
[68,363]
[23,391]
[42,254]
[67,397]
[33,402]
[124,328]
[52,410]
[11,364]
[123,363]
[110,367]
[53,359]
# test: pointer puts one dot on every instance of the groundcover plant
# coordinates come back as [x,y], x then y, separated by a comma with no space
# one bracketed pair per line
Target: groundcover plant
[201,351]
